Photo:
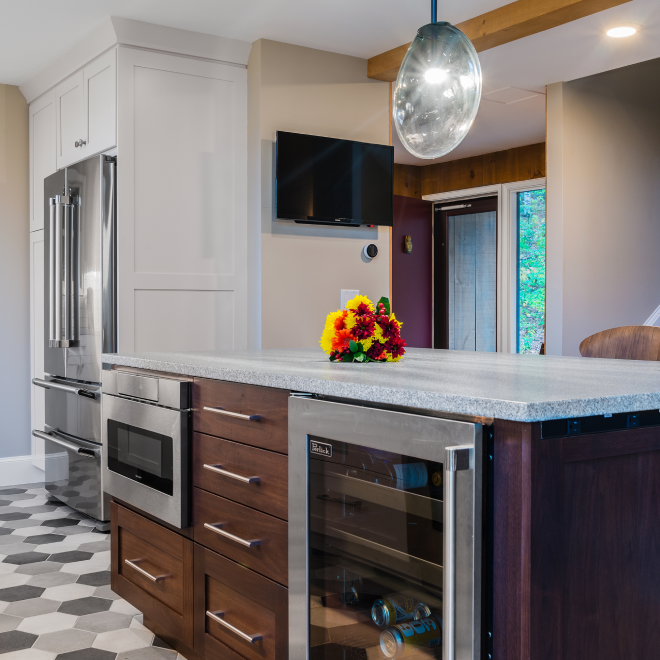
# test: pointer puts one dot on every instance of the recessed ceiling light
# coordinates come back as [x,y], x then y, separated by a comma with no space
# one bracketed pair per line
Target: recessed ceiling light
[623,31]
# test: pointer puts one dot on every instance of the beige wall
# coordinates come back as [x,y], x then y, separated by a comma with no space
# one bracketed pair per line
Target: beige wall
[14,275]
[603,203]
[302,268]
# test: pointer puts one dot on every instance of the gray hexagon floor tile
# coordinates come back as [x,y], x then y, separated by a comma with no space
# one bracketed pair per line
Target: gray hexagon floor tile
[39,568]
[148,653]
[15,640]
[95,546]
[31,607]
[71,556]
[61,522]
[13,491]
[64,641]
[22,592]
[95,579]
[40,539]
[8,622]
[106,592]
[103,622]
[52,579]
[14,516]
[84,606]
[25,557]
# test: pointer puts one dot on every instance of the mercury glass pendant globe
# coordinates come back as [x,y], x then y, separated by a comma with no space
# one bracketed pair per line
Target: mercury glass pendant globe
[437,91]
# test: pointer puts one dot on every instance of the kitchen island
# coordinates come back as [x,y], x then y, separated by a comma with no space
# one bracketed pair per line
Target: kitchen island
[571,504]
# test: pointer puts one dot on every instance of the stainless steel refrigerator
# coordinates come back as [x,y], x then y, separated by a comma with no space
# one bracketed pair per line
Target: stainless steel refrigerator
[80,324]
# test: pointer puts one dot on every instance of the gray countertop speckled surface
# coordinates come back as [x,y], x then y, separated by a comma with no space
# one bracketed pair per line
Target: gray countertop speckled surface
[522,388]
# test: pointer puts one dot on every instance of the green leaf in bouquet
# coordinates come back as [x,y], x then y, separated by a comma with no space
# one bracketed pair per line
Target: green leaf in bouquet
[386,303]
[353,346]
[347,358]
[360,357]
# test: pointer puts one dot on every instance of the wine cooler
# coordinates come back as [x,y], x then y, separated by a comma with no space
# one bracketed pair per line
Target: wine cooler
[385,534]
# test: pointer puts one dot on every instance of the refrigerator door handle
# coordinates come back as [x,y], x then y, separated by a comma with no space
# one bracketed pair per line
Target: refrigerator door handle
[55,273]
[82,451]
[52,385]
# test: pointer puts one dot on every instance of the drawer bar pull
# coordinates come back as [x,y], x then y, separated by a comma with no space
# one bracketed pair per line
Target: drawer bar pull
[217,617]
[133,563]
[219,411]
[217,528]
[218,469]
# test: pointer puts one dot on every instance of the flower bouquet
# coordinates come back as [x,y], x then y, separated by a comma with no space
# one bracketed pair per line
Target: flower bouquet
[363,333]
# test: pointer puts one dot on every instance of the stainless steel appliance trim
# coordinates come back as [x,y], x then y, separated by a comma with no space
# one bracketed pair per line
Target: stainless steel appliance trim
[217,528]
[133,563]
[172,392]
[138,387]
[219,411]
[175,508]
[83,451]
[404,433]
[225,473]
[108,256]
[71,389]
[217,617]
[68,222]
[52,270]
[457,459]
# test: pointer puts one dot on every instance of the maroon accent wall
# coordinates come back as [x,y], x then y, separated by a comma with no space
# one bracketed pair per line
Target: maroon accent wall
[412,273]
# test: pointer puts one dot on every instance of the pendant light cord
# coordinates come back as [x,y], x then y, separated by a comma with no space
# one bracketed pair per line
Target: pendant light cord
[434,11]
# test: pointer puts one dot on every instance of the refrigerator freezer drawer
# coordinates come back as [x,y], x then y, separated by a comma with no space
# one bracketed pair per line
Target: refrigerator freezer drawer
[74,413]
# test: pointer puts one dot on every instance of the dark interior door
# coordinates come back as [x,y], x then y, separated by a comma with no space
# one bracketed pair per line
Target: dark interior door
[465,275]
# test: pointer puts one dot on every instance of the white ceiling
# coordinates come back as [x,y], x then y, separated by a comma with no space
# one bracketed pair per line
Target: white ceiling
[34,32]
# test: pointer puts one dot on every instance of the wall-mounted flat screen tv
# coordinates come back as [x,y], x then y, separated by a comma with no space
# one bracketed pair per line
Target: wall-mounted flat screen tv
[322,180]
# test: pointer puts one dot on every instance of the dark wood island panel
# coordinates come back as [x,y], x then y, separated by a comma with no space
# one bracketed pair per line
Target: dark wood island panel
[576,552]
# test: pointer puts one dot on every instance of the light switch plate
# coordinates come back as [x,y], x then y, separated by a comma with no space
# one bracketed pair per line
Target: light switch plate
[346,295]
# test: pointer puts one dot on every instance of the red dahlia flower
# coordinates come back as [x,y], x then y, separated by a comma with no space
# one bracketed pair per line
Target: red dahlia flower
[390,328]
[395,346]
[376,351]
[365,327]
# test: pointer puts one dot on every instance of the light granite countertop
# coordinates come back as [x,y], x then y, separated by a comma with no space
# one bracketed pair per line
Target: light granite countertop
[523,388]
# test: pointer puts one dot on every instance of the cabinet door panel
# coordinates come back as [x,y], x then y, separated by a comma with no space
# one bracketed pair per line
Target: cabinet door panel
[249,602]
[182,134]
[161,553]
[43,153]
[70,120]
[100,93]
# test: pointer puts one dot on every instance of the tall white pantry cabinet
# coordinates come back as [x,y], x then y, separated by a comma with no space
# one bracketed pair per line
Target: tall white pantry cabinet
[177,123]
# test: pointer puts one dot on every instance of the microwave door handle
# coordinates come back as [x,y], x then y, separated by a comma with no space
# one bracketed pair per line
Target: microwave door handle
[81,451]
[457,459]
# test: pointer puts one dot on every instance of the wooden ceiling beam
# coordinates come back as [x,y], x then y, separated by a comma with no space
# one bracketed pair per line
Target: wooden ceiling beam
[501,26]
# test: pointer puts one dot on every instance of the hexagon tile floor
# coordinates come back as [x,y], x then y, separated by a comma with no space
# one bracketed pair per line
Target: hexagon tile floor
[55,596]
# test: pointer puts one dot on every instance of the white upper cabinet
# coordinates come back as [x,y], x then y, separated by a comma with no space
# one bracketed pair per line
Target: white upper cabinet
[100,100]
[43,138]
[86,104]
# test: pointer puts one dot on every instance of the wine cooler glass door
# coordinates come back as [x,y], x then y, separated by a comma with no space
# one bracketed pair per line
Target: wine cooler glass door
[389,548]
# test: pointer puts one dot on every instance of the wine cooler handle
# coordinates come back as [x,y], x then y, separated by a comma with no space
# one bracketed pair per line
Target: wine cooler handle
[457,459]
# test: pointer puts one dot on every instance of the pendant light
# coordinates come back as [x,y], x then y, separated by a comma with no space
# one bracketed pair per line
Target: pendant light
[437,91]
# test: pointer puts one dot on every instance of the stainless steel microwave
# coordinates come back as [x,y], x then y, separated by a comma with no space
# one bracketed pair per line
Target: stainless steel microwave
[146,444]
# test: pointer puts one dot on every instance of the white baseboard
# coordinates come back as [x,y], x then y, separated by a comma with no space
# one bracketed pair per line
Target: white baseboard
[17,470]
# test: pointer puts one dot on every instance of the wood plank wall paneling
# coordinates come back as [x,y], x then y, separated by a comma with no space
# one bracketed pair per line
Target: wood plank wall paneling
[408,180]
[517,164]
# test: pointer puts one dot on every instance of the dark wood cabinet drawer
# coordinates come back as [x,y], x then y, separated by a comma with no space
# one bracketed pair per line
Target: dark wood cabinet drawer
[222,467]
[251,604]
[268,408]
[152,568]
[235,527]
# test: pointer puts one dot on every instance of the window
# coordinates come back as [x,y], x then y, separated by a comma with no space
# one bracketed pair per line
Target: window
[530,300]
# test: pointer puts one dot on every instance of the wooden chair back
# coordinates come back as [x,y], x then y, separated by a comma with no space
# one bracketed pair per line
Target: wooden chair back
[630,342]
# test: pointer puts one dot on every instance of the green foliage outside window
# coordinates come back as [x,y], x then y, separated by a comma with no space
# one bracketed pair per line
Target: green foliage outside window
[531,271]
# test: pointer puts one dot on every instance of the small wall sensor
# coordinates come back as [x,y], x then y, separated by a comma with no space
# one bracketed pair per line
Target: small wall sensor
[370,251]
